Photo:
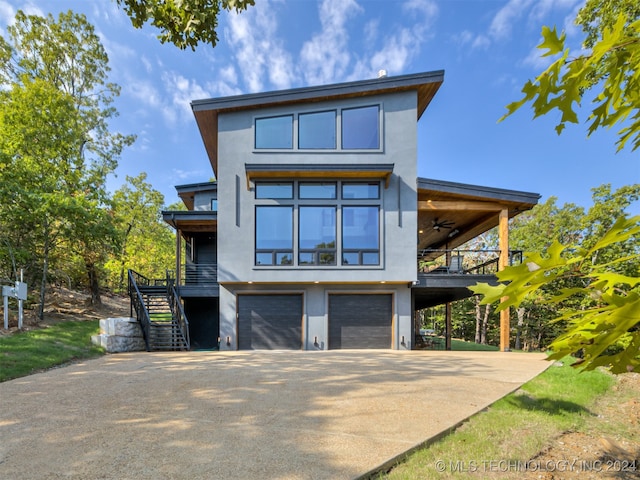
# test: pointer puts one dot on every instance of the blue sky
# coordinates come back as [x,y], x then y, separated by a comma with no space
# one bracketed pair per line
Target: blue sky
[486,48]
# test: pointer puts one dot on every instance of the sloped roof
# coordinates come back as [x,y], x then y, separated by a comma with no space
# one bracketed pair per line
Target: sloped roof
[206,111]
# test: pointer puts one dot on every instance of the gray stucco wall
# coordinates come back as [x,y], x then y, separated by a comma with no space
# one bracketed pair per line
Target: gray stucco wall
[315,319]
[236,212]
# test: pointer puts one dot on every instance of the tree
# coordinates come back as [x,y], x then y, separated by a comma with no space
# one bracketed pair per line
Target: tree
[609,310]
[608,70]
[147,244]
[56,140]
[602,273]
[185,23]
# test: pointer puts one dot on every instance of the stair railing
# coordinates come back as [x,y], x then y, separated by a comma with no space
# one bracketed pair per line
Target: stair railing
[177,312]
[137,304]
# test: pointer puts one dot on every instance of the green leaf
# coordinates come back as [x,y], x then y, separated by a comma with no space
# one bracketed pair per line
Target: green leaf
[551,42]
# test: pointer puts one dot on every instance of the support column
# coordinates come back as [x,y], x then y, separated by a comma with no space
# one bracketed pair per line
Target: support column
[178,254]
[503,261]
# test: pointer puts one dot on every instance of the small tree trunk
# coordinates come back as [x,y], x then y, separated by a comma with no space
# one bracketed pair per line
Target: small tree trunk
[478,319]
[485,322]
[45,271]
[520,312]
[94,283]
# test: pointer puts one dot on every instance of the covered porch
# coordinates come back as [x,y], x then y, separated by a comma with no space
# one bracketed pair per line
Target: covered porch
[450,215]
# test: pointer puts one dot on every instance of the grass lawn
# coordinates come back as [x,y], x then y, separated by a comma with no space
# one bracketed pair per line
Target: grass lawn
[460,345]
[24,353]
[514,428]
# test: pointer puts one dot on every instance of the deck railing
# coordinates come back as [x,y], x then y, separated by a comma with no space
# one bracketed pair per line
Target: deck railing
[177,312]
[138,304]
[478,261]
[198,274]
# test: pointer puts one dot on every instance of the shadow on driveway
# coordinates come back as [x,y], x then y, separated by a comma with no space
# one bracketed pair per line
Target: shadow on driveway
[244,415]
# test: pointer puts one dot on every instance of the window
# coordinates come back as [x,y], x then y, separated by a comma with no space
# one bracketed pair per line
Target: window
[361,128]
[274,132]
[317,130]
[317,227]
[317,190]
[360,235]
[274,190]
[361,190]
[274,235]
[214,205]
[333,223]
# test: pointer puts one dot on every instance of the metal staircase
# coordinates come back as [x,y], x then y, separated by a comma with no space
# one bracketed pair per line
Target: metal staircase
[159,311]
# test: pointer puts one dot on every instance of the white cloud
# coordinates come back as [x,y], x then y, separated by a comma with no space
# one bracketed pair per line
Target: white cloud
[180,91]
[503,21]
[399,48]
[536,61]
[325,58]
[7,13]
[252,35]
[544,7]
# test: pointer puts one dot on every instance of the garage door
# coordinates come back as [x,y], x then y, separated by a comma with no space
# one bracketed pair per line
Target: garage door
[267,322]
[360,321]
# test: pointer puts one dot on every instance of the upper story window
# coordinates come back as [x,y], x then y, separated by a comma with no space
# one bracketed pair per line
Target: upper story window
[317,190]
[360,190]
[352,128]
[317,130]
[214,205]
[274,190]
[274,132]
[307,223]
[361,128]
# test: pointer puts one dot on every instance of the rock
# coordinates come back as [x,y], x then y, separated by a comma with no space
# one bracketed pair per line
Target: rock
[118,335]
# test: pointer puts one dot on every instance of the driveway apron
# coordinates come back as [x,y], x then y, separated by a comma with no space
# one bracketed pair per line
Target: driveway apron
[244,415]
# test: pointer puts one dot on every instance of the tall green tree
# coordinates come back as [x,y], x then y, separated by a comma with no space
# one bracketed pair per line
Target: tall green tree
[147,243]
[185,23]
[57,106]
[601,273]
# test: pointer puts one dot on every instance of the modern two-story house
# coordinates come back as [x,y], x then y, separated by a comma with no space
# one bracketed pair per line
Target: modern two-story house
[317,233]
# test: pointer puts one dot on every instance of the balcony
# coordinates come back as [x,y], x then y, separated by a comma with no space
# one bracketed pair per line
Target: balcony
[442,281]
[198,280]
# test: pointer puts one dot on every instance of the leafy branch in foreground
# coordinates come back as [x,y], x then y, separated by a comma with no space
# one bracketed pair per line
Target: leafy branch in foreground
[184,23]
[605,313]
[609,70]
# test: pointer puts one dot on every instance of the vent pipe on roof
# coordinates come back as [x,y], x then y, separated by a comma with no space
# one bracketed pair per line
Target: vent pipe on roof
[382,73]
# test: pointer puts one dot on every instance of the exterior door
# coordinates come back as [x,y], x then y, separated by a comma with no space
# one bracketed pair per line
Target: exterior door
[270,322]
[360,321]
[204,323]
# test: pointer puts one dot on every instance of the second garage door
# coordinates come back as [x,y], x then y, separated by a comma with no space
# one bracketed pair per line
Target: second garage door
[360,321]
[268,322]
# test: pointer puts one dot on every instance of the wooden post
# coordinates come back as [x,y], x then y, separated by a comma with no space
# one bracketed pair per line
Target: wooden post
[178,254]
[503,261]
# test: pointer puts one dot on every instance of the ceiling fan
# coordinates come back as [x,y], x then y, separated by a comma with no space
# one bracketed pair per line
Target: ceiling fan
[437,225]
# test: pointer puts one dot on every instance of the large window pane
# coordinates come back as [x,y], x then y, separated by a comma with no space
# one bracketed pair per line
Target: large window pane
[361,128]
[360,235]
[317,235]
[361,190]
[274,190]
[274,132]
[317,130]
[317,190]
[274,235]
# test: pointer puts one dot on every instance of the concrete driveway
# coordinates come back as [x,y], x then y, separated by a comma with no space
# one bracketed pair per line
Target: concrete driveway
[243,415]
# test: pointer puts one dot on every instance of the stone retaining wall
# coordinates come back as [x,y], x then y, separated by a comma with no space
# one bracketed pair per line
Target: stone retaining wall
[119,335]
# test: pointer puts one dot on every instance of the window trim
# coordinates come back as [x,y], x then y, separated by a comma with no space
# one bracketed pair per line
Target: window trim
[338,251]
[338,133]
